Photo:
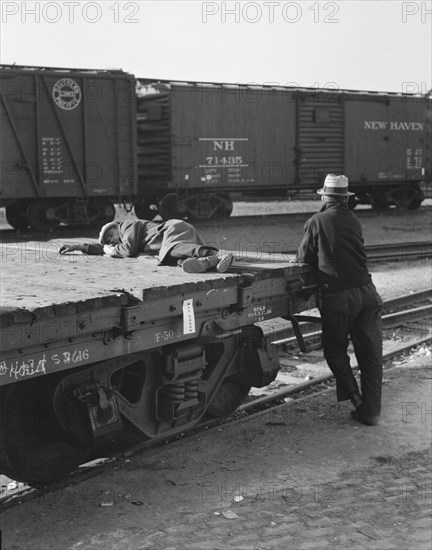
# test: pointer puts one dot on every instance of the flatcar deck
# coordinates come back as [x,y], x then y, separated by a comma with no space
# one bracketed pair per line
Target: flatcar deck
[63,302]
[35,276]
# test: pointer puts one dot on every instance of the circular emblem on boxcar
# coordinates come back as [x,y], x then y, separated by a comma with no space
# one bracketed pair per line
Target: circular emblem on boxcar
[67,94]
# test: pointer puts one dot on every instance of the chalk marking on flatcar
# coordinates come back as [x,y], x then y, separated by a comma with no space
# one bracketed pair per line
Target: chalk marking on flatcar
[26,369]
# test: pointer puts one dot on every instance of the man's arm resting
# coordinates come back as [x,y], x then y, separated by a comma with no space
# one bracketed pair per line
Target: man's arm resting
[93,249]
[308,249]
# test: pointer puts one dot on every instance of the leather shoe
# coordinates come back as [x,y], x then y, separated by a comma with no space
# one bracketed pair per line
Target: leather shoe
[200,265]
[368,420]
[356,399]
[219,262]
[225,261]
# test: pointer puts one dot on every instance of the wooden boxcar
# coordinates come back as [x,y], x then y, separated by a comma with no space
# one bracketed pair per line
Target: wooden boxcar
[199,145]
[68,144]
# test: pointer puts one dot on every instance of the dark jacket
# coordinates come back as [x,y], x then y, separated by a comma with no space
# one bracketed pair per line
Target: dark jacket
[154,238]
[333,244]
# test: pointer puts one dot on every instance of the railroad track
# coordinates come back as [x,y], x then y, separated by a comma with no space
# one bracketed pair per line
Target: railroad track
[417,250]
[409,308]
[390,319]
[303,214]
[396,312]
[399,251]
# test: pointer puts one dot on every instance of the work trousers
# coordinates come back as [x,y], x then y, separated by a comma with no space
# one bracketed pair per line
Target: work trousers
[355,312]
[182,251]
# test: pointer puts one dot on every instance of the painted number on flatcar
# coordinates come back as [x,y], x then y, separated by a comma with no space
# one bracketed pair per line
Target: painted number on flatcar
[67,357]
[168,335]
[258,313]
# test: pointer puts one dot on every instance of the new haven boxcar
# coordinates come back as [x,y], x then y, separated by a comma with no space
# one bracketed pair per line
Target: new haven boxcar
[201,144]
[68,144]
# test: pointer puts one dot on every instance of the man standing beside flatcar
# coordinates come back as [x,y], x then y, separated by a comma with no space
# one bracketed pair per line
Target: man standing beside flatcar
[349,304]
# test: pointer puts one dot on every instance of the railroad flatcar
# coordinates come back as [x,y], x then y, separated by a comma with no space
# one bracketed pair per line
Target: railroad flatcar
[77,141]
[83,362]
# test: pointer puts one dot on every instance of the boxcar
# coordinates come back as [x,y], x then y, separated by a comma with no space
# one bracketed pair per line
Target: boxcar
[68,144]
[201,144]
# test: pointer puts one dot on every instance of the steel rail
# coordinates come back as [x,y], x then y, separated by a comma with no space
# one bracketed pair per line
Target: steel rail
[399,251]
[375,253]
[322,379]
[406,299]
[285,335]
[389,321]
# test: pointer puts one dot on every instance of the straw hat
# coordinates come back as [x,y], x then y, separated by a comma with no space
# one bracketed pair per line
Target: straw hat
[335,186]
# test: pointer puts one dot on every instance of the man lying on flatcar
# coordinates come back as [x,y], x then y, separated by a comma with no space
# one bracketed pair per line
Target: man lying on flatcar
[173,242]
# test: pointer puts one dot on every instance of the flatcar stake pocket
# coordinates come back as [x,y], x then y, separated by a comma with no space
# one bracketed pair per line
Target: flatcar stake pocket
[188,317]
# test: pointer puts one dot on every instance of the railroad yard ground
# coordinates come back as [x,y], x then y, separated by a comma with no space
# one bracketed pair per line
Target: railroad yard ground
[302,476]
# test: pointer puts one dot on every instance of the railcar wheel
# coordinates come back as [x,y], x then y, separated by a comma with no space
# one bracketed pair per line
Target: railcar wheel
[101,212]
[408,197]
[225,208]
[414,204]
[352,202]
[108,211]
[37,218]
[33,447]
[146,209]
[169,207]
[379,200]
[209,207]
[228,397]
[16,215]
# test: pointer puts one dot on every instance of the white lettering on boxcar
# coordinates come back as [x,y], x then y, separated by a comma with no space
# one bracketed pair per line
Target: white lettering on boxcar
[224,145]
[393,125]
[415,126]
[375,125]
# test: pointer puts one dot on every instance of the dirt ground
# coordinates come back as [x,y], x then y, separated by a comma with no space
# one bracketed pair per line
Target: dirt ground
[278,233]
[303,477]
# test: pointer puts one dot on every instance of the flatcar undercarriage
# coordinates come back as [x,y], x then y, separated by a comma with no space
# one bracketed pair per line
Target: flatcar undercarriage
[51,424]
